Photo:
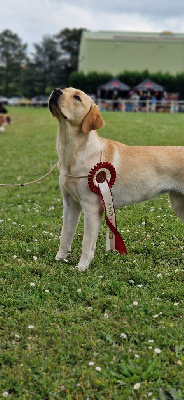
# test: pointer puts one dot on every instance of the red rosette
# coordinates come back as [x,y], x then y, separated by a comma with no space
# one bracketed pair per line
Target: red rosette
[99,173]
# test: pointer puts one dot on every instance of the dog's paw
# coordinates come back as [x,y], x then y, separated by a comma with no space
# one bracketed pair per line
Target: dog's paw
[61,256]
[82,267]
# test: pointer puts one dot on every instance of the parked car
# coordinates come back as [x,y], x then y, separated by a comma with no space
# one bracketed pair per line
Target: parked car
[3,100]
[40,101]
[25,102]
[14,101]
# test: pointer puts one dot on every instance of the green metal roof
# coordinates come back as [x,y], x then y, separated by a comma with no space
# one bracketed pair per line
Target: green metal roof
[119,35]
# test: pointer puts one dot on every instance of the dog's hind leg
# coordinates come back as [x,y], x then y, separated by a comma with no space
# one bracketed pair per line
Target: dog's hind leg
[71,213]
[177,204]
[92,222]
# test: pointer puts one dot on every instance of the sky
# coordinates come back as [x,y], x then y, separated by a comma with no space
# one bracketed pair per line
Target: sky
[33,19]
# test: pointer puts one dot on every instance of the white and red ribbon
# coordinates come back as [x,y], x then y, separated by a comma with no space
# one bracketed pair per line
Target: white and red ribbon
[100,179]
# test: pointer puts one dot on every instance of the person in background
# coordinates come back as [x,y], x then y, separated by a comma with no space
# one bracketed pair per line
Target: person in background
[143,100]
[115,100]
[135,101]
[153,103]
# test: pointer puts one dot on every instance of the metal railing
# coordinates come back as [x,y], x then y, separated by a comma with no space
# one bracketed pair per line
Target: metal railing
[169,106]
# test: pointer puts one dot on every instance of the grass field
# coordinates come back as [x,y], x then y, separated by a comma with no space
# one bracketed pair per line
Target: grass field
[113,332]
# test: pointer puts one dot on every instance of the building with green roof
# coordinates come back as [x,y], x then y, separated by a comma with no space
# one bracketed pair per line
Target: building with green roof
[116,51]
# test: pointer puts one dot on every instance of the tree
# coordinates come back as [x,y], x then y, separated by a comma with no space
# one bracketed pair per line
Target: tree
[69,41]
[12,57]
[47,64]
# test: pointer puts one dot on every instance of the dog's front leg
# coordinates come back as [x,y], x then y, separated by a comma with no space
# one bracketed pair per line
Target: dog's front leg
[92,222]
[71,212]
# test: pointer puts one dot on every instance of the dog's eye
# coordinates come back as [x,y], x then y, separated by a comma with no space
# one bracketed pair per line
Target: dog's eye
[76,97]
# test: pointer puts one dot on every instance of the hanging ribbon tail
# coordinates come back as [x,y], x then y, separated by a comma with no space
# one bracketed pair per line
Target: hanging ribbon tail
[119,243]
[114,240]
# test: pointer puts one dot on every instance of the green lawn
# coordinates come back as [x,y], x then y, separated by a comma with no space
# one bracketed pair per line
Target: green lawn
[113,332]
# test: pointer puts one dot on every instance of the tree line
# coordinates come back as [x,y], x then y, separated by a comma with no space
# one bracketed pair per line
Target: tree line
[48,66]
[54,62]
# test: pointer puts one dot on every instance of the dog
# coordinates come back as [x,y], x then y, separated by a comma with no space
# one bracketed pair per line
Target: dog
[4,119]
[142,172]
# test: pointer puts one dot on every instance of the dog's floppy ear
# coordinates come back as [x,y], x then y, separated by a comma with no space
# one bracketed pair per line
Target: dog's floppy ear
[8,119]
[93,120]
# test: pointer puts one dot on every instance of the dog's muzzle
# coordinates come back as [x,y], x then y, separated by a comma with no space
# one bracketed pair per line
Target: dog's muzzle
[53,100]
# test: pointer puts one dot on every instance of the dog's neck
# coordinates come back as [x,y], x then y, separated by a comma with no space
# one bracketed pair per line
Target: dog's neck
[75,147]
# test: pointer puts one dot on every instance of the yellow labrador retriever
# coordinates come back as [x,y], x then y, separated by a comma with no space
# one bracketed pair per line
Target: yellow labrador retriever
[143,172]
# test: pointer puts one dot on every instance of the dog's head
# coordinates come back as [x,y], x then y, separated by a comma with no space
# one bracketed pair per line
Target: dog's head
[76,108]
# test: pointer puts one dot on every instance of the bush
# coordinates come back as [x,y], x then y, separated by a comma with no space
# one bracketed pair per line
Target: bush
[90,82]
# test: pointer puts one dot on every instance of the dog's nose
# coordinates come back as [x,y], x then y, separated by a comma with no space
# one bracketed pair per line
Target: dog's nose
[57,91]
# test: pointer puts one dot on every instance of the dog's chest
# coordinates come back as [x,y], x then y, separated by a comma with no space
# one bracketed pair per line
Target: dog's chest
[69,184]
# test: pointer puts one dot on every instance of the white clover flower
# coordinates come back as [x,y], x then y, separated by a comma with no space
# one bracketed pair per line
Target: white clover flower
[123,335]
[150,340]
[5,394]
[157,351]
[79,290]
[46,290]
[32,284]
[135,303]
[159,275]
[137,356]
[137,386]
[106,315]
[91,363]
[98,368]
[34,258]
